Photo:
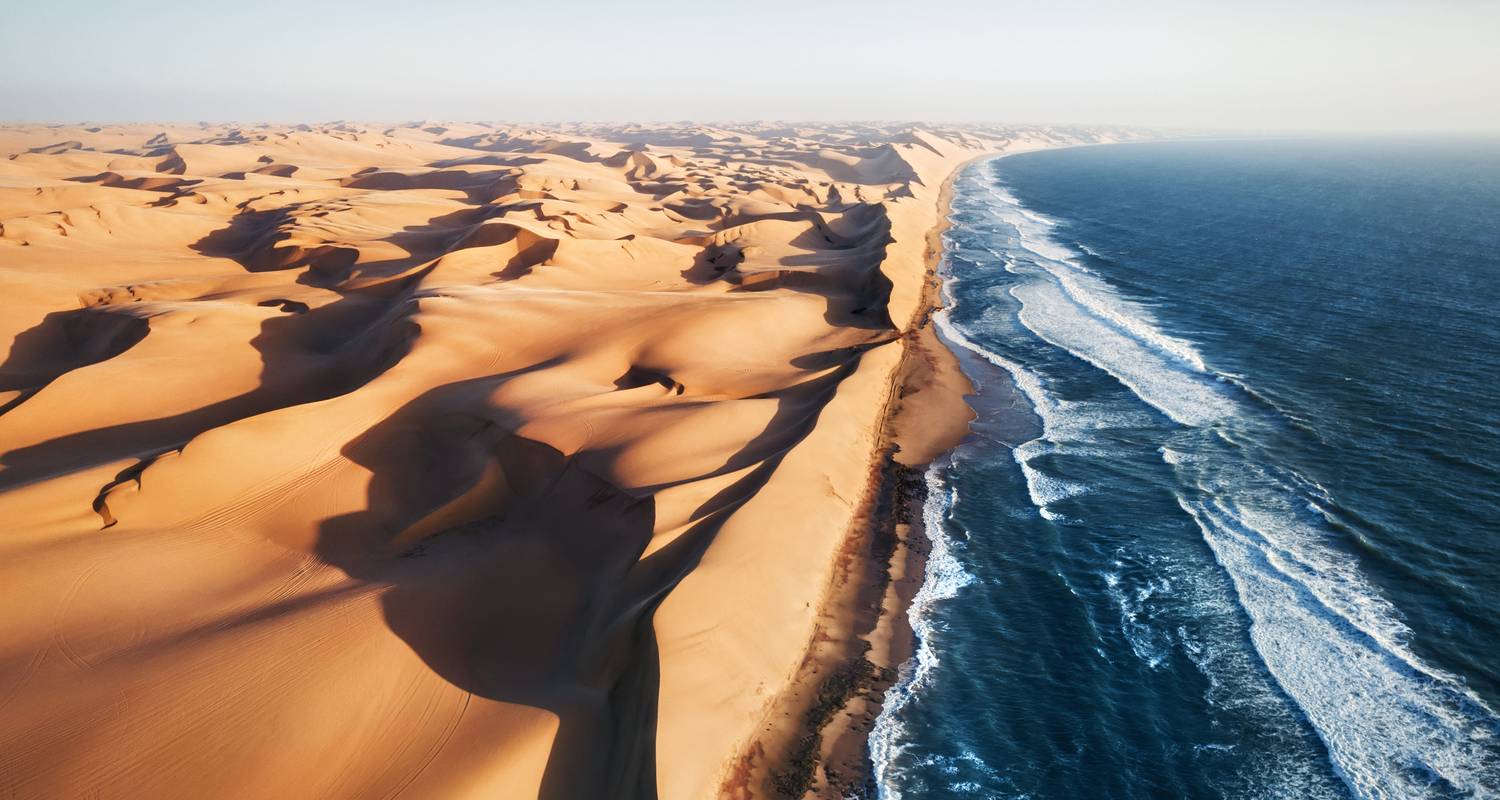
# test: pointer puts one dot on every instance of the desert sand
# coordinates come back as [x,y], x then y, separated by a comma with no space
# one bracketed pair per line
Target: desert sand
[441,460]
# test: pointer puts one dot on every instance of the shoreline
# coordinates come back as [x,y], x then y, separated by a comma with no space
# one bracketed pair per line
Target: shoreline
[931,416]
[831,705]
[840,688]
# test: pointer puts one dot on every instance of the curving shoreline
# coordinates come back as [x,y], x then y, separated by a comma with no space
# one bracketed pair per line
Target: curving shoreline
[819,745]
[862,637]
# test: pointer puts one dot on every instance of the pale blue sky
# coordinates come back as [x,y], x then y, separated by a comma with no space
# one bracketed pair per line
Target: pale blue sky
[1272,64]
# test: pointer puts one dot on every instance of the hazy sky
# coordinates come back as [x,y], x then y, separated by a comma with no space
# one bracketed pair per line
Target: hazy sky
[1268,64]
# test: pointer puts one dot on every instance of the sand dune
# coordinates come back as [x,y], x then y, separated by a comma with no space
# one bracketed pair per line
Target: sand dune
[440,460]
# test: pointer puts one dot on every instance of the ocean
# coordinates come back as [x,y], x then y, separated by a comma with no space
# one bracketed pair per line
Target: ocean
[1229,522]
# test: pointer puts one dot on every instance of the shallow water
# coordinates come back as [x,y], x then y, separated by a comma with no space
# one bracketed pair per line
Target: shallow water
[1228,525]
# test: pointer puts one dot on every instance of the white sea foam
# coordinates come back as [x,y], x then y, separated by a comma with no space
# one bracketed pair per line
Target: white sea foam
[1062,420]
[943,577]
[1086,288]
[1080,313]
[1186,397]
[1148,644]
[1028,383]
[1090,293]
[967,764]
[1044,489]
[1394,726]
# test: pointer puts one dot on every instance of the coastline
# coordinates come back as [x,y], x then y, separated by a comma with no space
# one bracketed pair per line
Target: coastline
[930,416]
[820,744]
[830,709]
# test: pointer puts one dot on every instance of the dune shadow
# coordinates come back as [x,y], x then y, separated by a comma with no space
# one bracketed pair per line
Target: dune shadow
[62,342]
[518,574]
[308,353]
[537,595]
[478,186]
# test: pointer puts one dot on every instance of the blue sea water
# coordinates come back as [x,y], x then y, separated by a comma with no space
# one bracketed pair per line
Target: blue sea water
[1229,525]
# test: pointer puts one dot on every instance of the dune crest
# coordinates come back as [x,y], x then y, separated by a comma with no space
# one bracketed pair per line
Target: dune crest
[442,460]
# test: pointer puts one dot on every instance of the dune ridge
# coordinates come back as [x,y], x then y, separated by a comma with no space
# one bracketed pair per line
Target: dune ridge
[445,460]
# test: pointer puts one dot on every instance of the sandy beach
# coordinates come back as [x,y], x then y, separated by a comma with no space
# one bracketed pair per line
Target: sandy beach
[450,460]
